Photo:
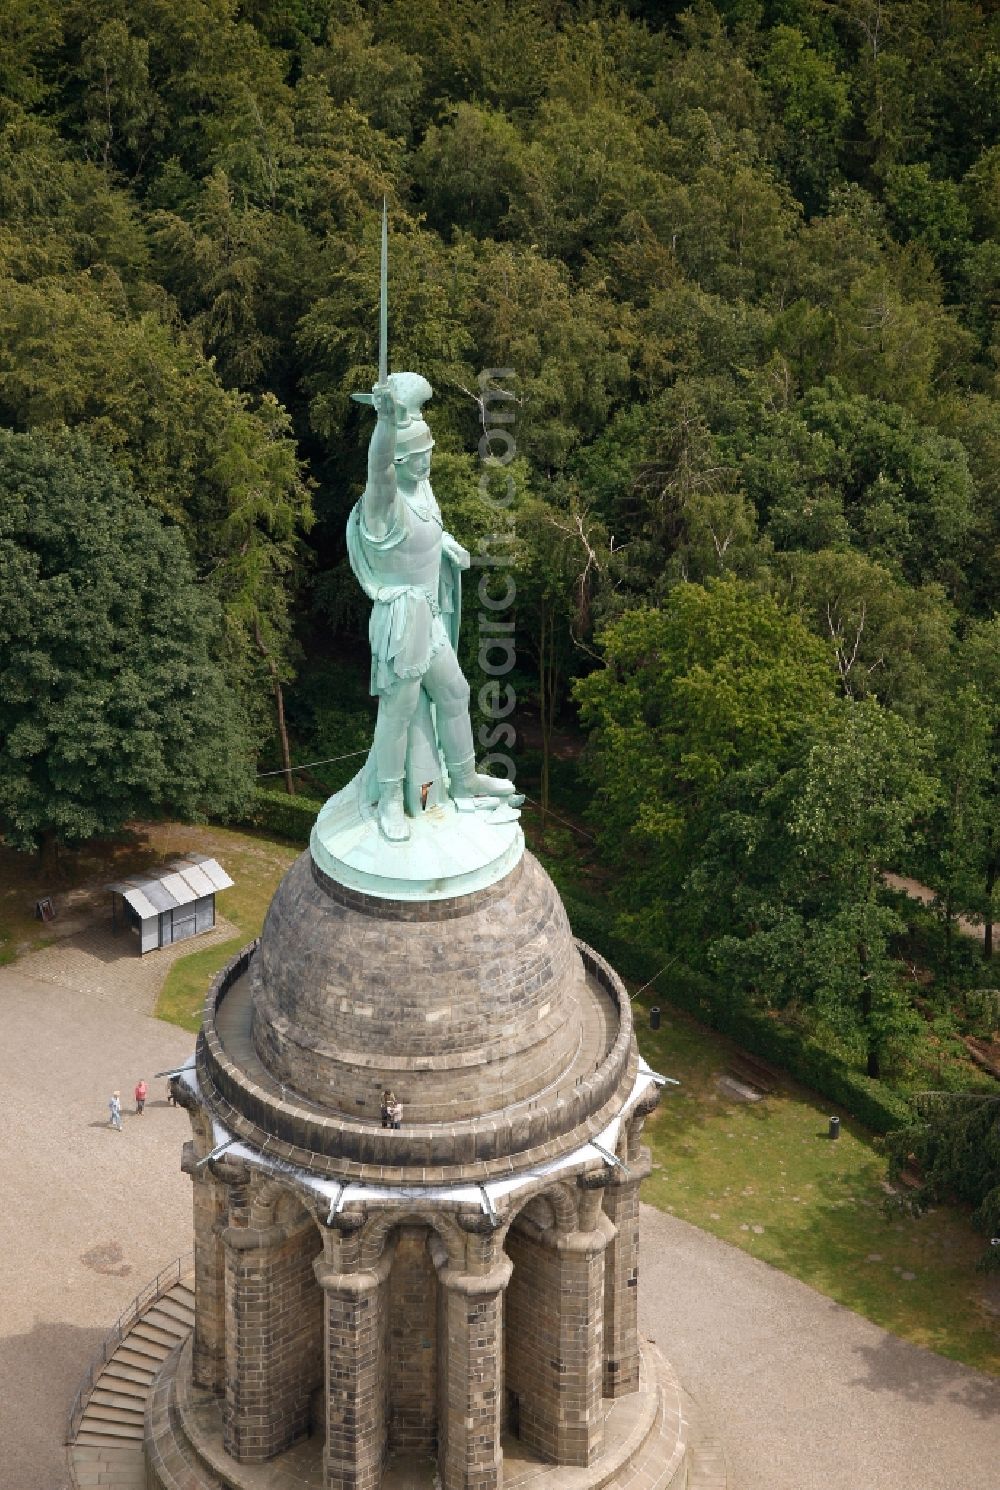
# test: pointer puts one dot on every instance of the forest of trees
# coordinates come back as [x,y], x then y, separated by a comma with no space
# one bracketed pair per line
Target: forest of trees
[743,259]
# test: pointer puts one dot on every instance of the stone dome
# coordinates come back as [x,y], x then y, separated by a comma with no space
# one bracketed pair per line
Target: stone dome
[461,1006]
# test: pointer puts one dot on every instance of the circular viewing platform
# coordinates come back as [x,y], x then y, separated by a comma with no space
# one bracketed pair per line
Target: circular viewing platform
[444,1147]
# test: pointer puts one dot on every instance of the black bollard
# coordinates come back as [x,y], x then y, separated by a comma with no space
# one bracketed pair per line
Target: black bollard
[835,1127]
[654,1017]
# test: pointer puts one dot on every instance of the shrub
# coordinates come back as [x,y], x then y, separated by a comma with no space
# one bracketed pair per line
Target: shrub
[283,816]
[871,1102]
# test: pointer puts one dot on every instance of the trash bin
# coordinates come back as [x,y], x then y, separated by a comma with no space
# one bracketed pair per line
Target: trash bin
[654,1017]
[835,1127]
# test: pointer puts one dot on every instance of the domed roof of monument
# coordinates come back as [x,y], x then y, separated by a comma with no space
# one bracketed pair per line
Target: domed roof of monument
[461,1006]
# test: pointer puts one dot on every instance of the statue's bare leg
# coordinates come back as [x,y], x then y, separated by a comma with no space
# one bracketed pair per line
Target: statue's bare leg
[395,711]
[449,692]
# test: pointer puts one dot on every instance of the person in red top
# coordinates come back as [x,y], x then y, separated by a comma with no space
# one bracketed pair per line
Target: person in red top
[140,1096]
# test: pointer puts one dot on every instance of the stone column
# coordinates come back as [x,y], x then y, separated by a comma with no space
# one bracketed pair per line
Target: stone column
[556,1358]
[621,1280]
[471,1353]
[273,1350]
[356,1322]
[208,1349]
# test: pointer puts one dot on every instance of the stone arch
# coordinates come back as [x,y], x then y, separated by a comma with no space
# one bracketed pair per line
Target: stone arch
[552,1209]
[274,1202]
[380,1226]
[540,1211]
[562,1198]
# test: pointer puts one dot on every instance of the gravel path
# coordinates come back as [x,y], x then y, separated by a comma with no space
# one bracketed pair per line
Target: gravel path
[88,1215]
[926,895]
[807,1395]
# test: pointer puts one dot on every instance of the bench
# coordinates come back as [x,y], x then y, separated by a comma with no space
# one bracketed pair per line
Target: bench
[754,1072]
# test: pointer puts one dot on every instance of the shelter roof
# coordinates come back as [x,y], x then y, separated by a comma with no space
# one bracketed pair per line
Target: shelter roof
[176,884]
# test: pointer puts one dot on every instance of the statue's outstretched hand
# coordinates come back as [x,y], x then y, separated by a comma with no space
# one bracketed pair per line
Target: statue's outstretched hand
[385,406]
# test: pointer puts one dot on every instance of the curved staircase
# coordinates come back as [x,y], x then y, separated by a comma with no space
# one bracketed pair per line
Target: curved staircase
[105,1447]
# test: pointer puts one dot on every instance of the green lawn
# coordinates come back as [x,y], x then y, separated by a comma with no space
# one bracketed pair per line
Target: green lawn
[766,1177]
[256,864]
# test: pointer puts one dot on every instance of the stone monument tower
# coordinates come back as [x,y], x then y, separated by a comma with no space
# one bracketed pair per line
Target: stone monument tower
[416,1106]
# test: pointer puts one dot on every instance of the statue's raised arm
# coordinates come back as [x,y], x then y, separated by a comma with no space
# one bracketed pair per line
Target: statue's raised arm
[380,493]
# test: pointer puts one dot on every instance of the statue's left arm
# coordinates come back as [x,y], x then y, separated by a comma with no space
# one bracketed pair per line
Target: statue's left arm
[454,551]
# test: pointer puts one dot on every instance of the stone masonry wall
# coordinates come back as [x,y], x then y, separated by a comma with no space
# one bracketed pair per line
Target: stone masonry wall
[458,1017]
[621,1291]
[554,1343]
[274,1325]
[470,1456]
[356,1336]
[530,1342]
[412,1345]
[208,1360]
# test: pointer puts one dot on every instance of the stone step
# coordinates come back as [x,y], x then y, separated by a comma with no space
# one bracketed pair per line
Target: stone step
[707,1469]
[127,1401]
[177,1308]
[91,1438]
[105,1435]
[120,1369]
[116,1421]
[140,1352]
[107,1451]
[110,1380]
[151,1335]
[121,1467]
[159,1318]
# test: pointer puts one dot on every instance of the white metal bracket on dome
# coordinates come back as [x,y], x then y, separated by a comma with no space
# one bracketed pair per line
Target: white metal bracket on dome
[610,1159]
[489,1209]
[219,1149]
[336,1201]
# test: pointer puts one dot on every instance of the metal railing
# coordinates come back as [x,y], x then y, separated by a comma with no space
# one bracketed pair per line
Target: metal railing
[161,1284]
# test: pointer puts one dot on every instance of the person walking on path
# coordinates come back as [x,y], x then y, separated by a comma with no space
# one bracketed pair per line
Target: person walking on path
[141,1091]
[115,1109]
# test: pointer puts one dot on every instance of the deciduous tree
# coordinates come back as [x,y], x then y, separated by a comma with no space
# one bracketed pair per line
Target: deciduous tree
[113,698]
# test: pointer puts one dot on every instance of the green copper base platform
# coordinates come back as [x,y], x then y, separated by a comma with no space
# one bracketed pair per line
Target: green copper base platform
[452,850]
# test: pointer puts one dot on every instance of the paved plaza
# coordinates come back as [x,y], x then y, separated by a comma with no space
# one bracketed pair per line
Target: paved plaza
[807,1395]
[94,960]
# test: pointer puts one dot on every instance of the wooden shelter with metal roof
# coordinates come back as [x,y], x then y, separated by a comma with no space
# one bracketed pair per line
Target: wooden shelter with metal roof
[171,905]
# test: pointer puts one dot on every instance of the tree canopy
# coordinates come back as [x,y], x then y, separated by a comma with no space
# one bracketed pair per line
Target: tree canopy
[742,260]
[113,700]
